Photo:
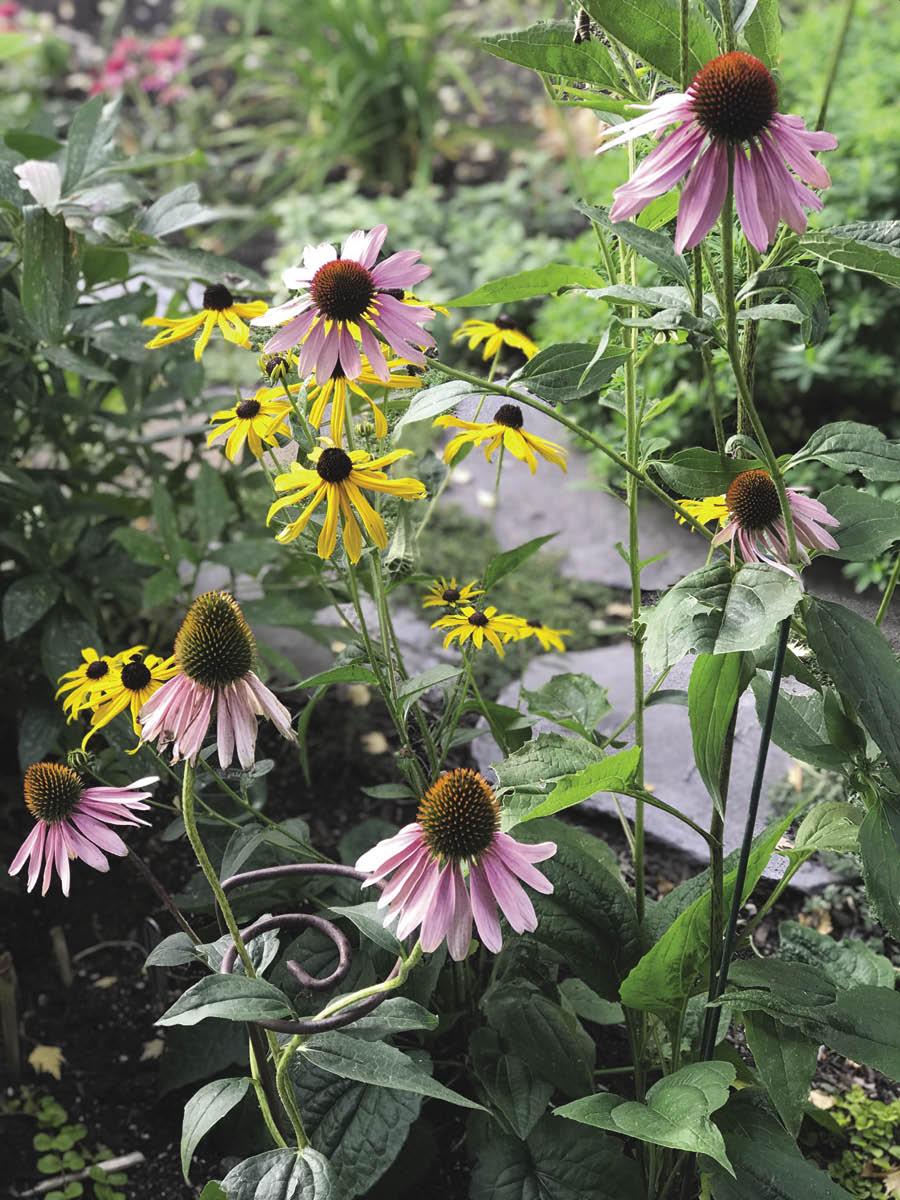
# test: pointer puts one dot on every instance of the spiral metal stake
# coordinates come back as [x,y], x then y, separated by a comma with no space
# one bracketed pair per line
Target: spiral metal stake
[306,921]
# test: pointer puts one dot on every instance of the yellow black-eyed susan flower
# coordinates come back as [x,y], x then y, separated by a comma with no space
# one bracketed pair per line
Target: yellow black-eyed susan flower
[710,508]
[476,625]
[337,385]
[88,681]
[134,681]
[219,309]
[341,477]
[505,429]
[255,421]
[443,593]
[494,334]
[550,639]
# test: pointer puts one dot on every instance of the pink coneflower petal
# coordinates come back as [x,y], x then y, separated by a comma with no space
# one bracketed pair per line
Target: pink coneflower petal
[674,106]
[459,935]
[283,312]
[374,859]
[364,247]
[270,706]
[86,850]
[224,730]
[484,909]
[702,198]
[292,333]
[373,352]
[510,894]
[30,849]
[348,352]
[792,145]
[747,200]
[107,839]
[398,891]
[510,854]
[401,270]
[439,914]
[418,899]
[659,171]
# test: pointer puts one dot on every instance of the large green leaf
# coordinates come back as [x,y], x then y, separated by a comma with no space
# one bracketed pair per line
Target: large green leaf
[716,683]
[697,473]
[212,507]
[570,371]
[25,601]
[542,761]
[676,967]
[233,997]
[804,287]
[869,524]
[509,1084]
[831,825]
[858,657]
[431,402]
[766,1161]
[559,1161]
[507,561]
[178,209]
[676,1112]
[799,727]
[763,32]
[847,963]
[712,612]
[548,47]
[614,773]
[651,29]
[359,1127]
[869,246]
[375,1062]
[574,701]
[204,1110]
[655,246]
[281,1175]
[786,1060]
[49,272]
[590,917]
[851,446]
[89,143]
[539,281]
[550,1040]
[879,848]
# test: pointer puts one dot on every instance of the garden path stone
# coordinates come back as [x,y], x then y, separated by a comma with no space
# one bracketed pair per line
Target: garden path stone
[669,765]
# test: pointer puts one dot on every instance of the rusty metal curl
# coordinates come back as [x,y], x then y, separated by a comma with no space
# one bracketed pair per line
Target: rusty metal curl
[306,921]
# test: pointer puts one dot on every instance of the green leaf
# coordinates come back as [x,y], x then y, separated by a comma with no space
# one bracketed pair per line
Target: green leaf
[850,446]
[711,612]
[282,1175]
[676,1113]
[766,1161]
[858,657]
[879,848]
[763,33]
[574,701]
[68,360]
[180,265]
[232,997]
[805,290]
[375,1062]
[589,919]
[397,1014]
[540,281]
[656,247]
[872,247]
[540,762]
[103,264]
[651,29]
[869,524]
[204,1110]
[350,674]
[585,1002]
[164,515]
[847,963]
[141,547]
[359,1127]
[799,727]
[786,1061]
[49,272]
[697,473]
[831,825]
[161,587]
[25,601]
[176,210]
[716,683]
[89,141]
[212,507]
[507,561]
[409,690]
[559,1161]
[569,371]
[509,1083]
[431,402]
[369,920]
[676,967]
[551,1041]
[548,47]
[615,773]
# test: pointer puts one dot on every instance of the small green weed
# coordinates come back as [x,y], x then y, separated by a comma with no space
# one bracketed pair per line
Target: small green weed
[874,1153]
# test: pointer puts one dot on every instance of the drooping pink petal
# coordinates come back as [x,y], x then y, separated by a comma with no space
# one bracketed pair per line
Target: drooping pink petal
[702,198]
[459,934]
[270,705]
[484,909]
[374,859]
[674,106]
[283,312]
[309,351]
[508,851]
[99,833]
[37,855]
[348,353]
[328,354]
[749,208]
[292,333]
[25,850]
[509,893]
[418,900]
[373,352]
[791,144]
[401,270]
[439,914]
[403,885]
[224,730]
[84,848]
[659,172]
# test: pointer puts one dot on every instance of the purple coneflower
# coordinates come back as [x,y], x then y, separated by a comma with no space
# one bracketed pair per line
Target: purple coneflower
[214,651]
[458,824]
[346,296]
[757,526]
[732,102]
[73,821]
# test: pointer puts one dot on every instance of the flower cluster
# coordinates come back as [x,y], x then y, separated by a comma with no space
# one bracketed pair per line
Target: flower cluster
[464,622]
[107,685]
[152,66]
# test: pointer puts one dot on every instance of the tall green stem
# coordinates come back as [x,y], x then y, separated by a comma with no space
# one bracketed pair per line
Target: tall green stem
[728,31]
[835,63]
[888,591]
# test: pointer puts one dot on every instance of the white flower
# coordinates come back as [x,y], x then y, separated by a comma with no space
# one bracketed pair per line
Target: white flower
[43,180]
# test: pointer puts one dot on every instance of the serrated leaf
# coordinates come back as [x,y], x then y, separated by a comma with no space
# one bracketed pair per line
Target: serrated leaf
[47,1060]
[369,920]
[799,728]
[869,524]
[786,1060]
[574,701]
[651,244]
[204,1110]
[548,47]
[539,281]
[569,371]
[212,507]
[651,28]
[614,773]
[851,446]
[763,33]
[551,1041]
[804,287]
[879,848]
[847,963]
[431,402]
[231,997]
[697,473]
[544,760]
[176,210]
[49,272]
[872,247]
[509,1083]
[831,825]
[409,690]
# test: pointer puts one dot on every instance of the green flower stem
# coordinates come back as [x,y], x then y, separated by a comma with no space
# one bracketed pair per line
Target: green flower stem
[728,31]
[190,825]
[835,63]
[376,989]
[496,732]
[888,591]
[685,46]
[300,415]
[262,1099]
[583,433]
[796,862]
[286,1090]
[745,399]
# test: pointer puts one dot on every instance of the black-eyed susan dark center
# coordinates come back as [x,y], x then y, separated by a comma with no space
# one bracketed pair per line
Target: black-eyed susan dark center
[214,645]
[535,624]
[247,409]
[734,97]
[96,670]
[334,465]
[52,791]
[135,675]
[459,815]
[342,290]
[450,595]
[478,619]
[752,500]
[217,297]
[397,293]
[504,322]
[276,366]
[509,415]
